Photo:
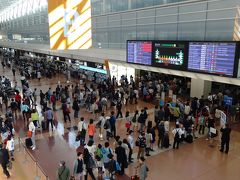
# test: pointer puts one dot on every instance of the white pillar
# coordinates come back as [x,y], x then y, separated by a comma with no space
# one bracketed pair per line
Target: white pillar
[200,87]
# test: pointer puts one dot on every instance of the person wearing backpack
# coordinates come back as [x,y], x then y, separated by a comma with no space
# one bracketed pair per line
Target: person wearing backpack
[63,172]
[177,132]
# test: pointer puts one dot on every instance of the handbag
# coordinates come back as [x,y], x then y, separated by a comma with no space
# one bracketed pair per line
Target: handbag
[118,168]
[29,134]
[68,110]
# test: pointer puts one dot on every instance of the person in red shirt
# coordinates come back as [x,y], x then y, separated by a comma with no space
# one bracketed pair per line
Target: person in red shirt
[91,129]
[18,99]
[53,100]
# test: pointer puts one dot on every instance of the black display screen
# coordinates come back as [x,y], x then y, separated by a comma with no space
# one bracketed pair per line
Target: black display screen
[139,52]
[212,57]
[169,54]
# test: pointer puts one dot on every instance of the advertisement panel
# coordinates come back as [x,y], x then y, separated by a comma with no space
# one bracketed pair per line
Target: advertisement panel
[70,24]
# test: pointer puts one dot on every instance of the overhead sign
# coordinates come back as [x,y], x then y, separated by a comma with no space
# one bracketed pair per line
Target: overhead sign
[70,25]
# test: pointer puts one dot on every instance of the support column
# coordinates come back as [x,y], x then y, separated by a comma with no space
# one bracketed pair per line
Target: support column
[200,87]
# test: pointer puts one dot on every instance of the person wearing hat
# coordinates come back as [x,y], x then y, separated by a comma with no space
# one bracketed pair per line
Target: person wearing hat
[32,128]
[4,160]
[63,172]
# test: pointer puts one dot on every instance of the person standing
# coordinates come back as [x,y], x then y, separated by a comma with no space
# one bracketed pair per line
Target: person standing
[121,157]
[75,107]
[35,117]
[91,129]
[53,100]
[18,99]
[66,112]
[143,169]
[34,94]
[14,107]
[177,132]
[32,128]
[78,167]
[113,124]
[82,128]
[10,146]
[141,143]
[161,115]
[49,117]
[25,111]
[131,143]
[63,172]
[142,120]
[4,160]
[101,122]
[89,164]
[119,109]
[225,138]
[161,132]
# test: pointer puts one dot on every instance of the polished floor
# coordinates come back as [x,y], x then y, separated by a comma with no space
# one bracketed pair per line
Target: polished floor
[197,161]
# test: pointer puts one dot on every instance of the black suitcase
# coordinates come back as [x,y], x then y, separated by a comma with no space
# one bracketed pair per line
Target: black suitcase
[166,141]
[189,138]
[44,125]
[28,142]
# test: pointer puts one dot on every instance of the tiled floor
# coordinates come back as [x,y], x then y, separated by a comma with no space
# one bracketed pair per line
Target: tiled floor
[195,161]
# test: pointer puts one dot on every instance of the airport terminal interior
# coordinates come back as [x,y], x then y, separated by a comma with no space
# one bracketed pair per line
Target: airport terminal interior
[120,89]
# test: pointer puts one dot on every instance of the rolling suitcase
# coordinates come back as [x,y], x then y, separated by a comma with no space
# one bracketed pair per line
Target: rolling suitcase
[28,142]
[189,138]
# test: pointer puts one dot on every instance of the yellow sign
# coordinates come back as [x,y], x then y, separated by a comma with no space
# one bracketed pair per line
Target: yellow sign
[70,25]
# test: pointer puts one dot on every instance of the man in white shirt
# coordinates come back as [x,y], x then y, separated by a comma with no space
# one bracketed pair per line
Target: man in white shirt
[82,128]
[177,132]
[101,122]
[10,147]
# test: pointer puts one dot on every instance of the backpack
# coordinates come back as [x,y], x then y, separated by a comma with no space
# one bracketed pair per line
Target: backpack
[176,137]
[106,125]
[134,119]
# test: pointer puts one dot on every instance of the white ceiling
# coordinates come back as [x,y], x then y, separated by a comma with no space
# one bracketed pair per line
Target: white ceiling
[6,3]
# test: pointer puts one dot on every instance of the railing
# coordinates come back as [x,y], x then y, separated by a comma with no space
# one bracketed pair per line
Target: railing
[39,173]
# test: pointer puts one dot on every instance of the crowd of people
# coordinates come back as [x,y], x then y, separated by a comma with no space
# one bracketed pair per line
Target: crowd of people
[106,100]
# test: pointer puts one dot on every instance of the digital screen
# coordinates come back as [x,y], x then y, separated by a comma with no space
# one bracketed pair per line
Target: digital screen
[139,52]
[170,54]
[212,57]
[70,25]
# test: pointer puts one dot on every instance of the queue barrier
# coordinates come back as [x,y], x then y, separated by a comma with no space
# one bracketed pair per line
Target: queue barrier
[39,172]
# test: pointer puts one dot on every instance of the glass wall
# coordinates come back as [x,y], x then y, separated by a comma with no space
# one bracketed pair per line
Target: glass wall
[202,20]
[111,6]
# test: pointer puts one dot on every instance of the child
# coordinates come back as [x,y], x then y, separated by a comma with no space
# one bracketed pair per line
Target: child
[100,167]
[134,120]
[128,122]
[148,141]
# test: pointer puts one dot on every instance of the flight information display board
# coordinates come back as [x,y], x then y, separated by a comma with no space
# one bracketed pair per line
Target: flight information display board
[212,57]
[169,54]
[139,52]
